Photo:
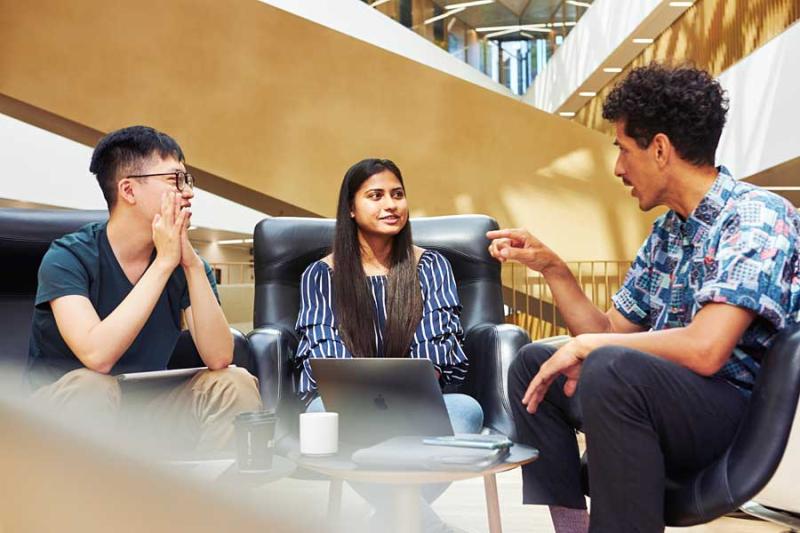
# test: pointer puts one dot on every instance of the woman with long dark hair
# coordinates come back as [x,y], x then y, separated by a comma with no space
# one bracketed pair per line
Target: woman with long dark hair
[410,291]
[378,295]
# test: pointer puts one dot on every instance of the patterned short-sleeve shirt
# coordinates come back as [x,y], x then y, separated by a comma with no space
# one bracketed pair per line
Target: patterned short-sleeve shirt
[740,246]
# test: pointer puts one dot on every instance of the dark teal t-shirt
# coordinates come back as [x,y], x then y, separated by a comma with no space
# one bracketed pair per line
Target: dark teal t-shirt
[82,263]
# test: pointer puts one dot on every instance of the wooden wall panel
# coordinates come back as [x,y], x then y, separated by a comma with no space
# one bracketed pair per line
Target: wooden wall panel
[712,35]
[271,103]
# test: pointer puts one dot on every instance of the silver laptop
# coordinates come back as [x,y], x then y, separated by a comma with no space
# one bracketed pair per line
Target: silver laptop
[381,398]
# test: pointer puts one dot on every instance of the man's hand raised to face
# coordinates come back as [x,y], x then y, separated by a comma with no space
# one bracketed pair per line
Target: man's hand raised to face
[167,229]
[189,258]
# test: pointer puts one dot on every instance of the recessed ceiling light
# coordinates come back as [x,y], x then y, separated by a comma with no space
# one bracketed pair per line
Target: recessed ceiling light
[445,15]
[516,27]
[580,4]
[499,33]
[612,70]
[498,28]
[511,29]
[558,24]
[469,4]
[235,241]
[681,4]
[587,93]
[567,113]
[642,40]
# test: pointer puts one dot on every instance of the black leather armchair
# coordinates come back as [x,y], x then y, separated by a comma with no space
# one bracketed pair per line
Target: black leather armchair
[25,235]
[753,456]
[284,247]
[755,452]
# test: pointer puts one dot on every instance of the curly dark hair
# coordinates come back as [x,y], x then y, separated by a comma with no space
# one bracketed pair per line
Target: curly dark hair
[684,103]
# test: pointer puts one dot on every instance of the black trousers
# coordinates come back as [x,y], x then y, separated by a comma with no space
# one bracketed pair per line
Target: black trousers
[645,419]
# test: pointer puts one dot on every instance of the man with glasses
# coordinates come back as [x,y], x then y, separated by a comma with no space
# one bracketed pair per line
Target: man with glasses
[112,296]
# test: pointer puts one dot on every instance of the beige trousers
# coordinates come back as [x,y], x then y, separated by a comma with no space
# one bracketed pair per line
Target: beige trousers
[195,415]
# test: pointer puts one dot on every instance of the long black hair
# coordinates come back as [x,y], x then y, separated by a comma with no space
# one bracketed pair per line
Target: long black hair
[352,299]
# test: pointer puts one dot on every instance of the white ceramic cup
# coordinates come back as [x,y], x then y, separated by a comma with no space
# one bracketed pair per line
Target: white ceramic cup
[319,433]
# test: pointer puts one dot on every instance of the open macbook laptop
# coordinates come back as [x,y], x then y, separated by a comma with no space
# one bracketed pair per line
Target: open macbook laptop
[379,398]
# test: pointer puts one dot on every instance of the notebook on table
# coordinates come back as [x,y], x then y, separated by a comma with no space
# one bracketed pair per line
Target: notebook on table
[411,453]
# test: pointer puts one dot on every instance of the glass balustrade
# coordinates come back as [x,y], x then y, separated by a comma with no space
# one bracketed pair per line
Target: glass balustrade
[509,41]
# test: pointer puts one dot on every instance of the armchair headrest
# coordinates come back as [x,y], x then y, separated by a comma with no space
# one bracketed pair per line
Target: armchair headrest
[285,246]
[25,236]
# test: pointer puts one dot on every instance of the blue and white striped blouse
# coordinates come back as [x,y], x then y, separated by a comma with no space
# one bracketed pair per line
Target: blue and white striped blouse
[437,337]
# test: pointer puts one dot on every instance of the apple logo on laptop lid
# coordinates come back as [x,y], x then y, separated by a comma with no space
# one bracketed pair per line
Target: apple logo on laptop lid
[380,402]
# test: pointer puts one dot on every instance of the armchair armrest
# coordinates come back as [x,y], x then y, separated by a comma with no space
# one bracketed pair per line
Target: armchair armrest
[185,354]
[273,349]
[491,348]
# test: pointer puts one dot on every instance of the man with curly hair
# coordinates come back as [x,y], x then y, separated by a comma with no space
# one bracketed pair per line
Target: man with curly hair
[660,381]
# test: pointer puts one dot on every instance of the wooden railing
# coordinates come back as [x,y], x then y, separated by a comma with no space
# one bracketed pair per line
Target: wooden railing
[529,301]
[527,298]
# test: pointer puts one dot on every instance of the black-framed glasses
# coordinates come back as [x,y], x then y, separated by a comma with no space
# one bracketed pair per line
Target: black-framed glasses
[181,178]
